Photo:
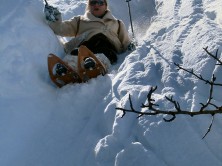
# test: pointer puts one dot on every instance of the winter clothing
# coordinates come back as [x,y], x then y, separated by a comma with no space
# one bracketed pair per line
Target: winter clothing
[72,61]
[89,26]
[52,14]
[99,43]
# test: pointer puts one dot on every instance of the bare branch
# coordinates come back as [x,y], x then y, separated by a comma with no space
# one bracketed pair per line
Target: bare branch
[153,111]
[152,107]
[209,128]
[176,104]
[171,119]
[214,56]
[200,77]
[210,94]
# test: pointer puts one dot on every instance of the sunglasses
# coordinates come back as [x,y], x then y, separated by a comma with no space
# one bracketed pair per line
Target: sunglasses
[100,3]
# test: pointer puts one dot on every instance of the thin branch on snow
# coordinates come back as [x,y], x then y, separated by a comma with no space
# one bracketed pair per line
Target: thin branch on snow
[152,107]
[154,111]
[214,56]
[209,128]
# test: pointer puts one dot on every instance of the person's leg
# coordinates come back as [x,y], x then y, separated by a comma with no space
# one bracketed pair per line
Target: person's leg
[100,44]
[72,61]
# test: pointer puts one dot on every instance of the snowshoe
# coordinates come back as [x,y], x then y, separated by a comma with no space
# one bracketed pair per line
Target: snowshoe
[88,67]
[60,73]
[88,64]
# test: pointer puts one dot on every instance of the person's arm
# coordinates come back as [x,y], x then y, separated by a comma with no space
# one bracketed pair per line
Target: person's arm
[63,28]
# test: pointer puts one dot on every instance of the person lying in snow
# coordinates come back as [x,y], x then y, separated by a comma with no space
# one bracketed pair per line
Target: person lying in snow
[97,29]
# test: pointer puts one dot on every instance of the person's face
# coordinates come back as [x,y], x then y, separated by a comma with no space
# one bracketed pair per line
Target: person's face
[97,7]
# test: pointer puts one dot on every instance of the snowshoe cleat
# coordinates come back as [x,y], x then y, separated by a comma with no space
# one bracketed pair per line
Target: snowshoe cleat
[89,63]
[60,69]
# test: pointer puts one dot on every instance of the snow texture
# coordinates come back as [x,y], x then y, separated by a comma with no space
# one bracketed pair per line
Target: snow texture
[77,125]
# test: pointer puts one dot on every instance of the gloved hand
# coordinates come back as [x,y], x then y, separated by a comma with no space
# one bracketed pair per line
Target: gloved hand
[52,14]
[131,47]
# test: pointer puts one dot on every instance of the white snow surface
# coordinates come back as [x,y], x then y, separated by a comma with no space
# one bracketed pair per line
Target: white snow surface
[78,125]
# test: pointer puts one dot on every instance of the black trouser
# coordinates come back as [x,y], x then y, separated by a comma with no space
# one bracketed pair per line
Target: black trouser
[99,43]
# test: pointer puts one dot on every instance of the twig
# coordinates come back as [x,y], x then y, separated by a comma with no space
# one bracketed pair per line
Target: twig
[152,107]
[214,56]
[210,94]
[209,128]
[197,76]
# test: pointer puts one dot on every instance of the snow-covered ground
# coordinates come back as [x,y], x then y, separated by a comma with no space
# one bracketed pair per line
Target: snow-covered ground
[77,125]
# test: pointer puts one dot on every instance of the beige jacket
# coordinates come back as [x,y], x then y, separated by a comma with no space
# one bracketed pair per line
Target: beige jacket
[89,26]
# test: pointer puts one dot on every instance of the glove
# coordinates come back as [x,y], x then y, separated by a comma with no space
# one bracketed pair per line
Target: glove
[131,47]
[52,14]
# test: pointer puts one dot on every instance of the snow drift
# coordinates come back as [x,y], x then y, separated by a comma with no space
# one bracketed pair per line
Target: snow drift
[78,124]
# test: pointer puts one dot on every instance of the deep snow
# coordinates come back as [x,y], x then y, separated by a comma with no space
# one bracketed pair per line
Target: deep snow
[77,125]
